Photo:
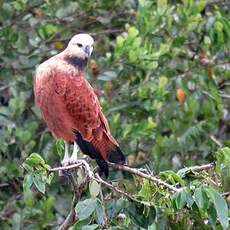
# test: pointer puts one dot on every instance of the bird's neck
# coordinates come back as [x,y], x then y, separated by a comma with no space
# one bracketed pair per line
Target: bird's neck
[77,62]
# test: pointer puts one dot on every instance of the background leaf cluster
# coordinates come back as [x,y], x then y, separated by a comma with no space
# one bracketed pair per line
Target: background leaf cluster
[161,72]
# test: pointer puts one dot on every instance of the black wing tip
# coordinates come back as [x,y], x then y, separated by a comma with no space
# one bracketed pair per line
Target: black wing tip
[103,166]
[116,156]
[89,149]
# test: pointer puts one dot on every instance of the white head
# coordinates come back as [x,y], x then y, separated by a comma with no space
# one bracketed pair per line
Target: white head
[81,45]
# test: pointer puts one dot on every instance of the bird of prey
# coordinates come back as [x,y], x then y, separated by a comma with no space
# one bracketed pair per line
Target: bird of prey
[70,107]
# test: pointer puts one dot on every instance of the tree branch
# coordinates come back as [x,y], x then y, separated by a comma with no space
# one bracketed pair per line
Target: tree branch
[63,168]
[144,174]
[105,222]
[201,168]
[100,181]
[72,217]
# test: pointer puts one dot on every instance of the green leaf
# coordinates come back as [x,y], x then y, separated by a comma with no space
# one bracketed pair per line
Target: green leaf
[26,136]
[27,167]
[85,208]
[28,181]
[161,6]
[164,48]
[201,198]
[223,160]
[151,123]
[67,9]
[50,29]
[201,5]
[141,215]
[120,40]
[175,176]
[180,199]
[207,40]
[221,207]
[39,183]
[60,145]
[90,227]
[146,190]
[111,208]
[189,199]
[35,160]
[104,20]
[152,65]
[108,76]
[218,26]
[81,223]
[226,24]
[132,56]
[28,198]
[50,178]
[212,215]
[120,204]
[99,212]
[132,31]
[162,82]
[94,189]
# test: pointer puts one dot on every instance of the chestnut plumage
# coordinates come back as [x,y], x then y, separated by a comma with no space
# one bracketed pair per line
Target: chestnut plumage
[70,107]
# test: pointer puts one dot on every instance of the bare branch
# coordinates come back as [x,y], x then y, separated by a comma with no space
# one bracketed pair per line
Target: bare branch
[139,172]
[226,96]
[72,217]
[201,168]
[225,194]
[208,94]
[107,31]
[216,141]
[105,222]
[99,180]
[63,168]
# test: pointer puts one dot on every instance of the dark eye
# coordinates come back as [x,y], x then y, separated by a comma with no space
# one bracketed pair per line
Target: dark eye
[79,44]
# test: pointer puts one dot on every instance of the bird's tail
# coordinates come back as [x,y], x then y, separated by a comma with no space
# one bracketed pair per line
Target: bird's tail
[101,150]
[115,155]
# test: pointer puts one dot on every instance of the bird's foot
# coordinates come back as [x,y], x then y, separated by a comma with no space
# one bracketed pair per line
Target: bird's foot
[64,163]
[87,167]
[73,160]
[67,162]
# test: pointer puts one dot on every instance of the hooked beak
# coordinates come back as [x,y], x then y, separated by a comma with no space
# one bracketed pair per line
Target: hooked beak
[87,50]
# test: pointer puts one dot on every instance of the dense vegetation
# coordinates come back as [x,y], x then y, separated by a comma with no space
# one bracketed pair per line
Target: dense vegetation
[161,70]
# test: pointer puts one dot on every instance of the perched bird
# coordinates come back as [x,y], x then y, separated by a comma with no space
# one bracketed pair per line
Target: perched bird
[70,107]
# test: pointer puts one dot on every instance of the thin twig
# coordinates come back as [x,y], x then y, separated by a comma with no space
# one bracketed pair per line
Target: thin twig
[72,217]
[208,94]
[4,184]
[62,168]
[198,168]
[100,181]
[5,212]
[202,167]
[107,31]
[140,173]
[105,222]
[225,194]
[226,96]
[216,141]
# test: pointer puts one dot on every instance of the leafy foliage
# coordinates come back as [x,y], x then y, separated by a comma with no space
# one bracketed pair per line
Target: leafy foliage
[161,72]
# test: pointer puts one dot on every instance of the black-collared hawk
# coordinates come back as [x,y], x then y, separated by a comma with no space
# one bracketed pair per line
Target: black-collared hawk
[70,107]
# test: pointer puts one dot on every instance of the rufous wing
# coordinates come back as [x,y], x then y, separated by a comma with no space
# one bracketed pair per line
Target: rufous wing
[72,111]
[88,122]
